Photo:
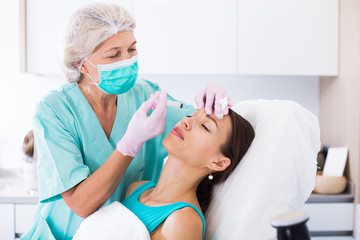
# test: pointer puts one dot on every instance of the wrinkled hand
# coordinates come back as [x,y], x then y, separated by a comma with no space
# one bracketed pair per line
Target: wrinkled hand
[214,96]
[142,127]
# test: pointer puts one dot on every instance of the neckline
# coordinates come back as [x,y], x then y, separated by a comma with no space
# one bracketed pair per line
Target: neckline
[138,198]
[111,136]
[181,202]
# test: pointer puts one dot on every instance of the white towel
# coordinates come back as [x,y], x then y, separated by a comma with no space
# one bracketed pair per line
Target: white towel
[112,222]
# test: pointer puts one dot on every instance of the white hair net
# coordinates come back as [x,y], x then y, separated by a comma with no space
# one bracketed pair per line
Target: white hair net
[276,175]
[86,29]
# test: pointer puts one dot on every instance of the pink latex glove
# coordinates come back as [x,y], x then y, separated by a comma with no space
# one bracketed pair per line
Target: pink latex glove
[142,127]
[214,96]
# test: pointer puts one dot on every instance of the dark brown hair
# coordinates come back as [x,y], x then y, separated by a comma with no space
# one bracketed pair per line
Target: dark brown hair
[239,141]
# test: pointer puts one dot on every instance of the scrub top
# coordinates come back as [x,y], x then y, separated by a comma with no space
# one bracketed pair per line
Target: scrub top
[72,144]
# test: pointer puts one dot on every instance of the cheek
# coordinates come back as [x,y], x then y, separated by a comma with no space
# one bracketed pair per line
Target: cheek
[172,144]
[93,72]
[195,148]
[200,149]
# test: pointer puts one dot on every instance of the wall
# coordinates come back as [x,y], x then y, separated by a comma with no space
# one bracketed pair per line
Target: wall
[18,103]
[9,44]
[339,111]
[19,94]
[304,90]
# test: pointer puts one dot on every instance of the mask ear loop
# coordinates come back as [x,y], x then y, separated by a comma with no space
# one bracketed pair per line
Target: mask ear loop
[90,62]
[93,82]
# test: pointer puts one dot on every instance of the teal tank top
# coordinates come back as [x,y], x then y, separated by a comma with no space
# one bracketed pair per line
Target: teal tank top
[152,217]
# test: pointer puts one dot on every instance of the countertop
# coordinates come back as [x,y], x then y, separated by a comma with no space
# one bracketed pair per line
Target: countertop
[15,188]
[347,196]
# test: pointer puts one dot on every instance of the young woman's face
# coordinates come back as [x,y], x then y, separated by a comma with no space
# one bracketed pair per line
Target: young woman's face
[197,138]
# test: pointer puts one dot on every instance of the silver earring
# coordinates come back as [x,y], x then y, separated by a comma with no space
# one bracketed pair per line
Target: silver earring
[210,176]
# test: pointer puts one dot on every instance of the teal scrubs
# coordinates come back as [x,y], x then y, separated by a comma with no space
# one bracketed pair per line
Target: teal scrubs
[72,145]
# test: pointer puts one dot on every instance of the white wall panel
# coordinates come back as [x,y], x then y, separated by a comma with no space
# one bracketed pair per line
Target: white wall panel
[186,37]
[281,37]
[45,23]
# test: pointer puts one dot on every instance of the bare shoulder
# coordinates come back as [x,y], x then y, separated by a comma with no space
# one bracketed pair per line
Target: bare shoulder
[134,186]
[185,223]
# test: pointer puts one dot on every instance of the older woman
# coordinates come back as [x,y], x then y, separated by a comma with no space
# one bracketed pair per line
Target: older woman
[86,145]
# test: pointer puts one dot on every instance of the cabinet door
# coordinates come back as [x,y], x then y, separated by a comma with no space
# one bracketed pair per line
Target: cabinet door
[7,231]
[23,216]
[281,37]
[186,36]
[45,23]
[327,217]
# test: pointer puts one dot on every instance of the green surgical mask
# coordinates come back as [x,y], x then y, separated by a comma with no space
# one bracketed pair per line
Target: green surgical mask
[118,77]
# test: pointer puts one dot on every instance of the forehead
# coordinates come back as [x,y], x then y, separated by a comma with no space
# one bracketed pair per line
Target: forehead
[121,40]
[224,125]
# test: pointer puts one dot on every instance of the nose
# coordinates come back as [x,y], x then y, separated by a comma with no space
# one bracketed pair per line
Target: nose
[125,56]
[186,122]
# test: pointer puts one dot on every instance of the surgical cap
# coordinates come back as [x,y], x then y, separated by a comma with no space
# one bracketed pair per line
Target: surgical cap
[86,29]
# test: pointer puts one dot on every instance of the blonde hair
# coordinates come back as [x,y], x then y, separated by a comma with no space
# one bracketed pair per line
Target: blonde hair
[86,29]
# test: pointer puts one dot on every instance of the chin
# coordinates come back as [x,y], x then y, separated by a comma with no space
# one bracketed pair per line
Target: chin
[173,146]
[167,143]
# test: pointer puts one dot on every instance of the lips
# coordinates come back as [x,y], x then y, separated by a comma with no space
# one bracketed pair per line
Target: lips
[177,132]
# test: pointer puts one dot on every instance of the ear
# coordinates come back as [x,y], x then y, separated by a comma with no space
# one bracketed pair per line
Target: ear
[83,68]
[221,164]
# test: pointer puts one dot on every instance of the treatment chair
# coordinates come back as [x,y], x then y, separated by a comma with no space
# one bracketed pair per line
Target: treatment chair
[276,175]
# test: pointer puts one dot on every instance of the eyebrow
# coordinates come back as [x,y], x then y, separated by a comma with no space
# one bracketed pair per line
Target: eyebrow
[118,47]
[208,116]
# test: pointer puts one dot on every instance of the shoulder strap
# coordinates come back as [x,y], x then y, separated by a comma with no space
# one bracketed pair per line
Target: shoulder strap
[169,209]
[142,188]
[200,214]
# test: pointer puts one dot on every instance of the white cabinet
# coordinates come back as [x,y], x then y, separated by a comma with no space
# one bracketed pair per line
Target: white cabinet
[281,37]
[7,231]
[257,37]
[15,219]
[330,217]
[23,216]
[186,37]
[45,23]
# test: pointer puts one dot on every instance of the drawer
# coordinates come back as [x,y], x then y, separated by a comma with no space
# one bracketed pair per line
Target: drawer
[23,216]
[330,216]
[7,222]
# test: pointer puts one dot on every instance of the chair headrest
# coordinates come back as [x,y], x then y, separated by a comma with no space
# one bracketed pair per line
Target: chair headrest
[276,175]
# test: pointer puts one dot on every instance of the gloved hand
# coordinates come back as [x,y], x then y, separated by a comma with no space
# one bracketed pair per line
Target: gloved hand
[214,96]
[142,127]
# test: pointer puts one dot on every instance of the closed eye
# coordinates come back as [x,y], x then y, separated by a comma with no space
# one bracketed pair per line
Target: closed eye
[205,127]
[114,56]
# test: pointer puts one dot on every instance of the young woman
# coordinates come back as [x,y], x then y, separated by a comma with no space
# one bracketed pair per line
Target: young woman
[203,151]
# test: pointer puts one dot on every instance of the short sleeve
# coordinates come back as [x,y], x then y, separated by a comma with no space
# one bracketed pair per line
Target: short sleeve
[60,162]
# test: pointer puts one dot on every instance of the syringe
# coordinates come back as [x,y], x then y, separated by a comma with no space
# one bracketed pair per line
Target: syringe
[174,104]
